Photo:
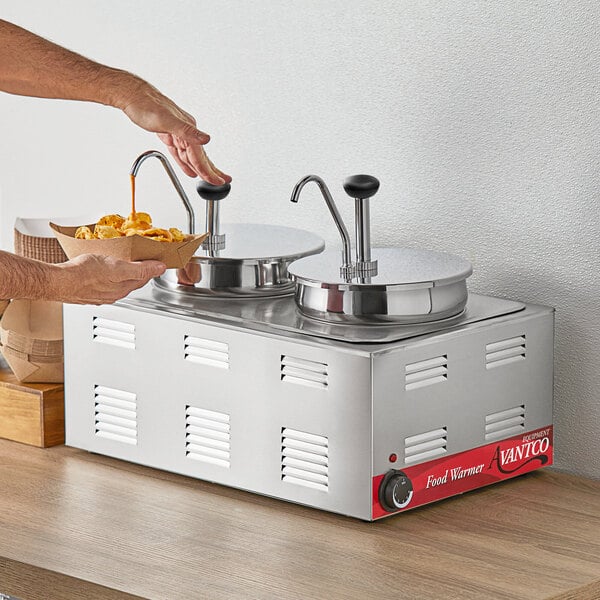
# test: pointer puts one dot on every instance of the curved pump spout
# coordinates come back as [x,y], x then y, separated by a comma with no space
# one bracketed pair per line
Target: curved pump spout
[169,169]
[347,269]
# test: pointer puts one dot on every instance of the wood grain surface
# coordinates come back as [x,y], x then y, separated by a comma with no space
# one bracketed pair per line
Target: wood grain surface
[164,536]
[32,583]
[32,413]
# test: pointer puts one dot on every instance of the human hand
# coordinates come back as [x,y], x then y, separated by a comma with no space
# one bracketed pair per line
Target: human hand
[93,279]
[190,274]
[33,66]
[153,111]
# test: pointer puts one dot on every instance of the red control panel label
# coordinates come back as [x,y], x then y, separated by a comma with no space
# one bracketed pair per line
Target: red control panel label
[447,476]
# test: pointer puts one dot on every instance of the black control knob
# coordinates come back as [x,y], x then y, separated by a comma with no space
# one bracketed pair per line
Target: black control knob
[395,491]
[361,186]
[213,192]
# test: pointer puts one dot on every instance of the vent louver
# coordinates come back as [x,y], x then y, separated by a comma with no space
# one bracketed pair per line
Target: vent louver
[304,459]
[115,333]
[505,423]
[426,372]
[206,352]
[505,352]
[424,446]
[304,372]
[207,436]
[115,414]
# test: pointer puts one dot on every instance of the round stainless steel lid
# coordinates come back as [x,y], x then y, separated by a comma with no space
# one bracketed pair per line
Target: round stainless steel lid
[397,268]
[254,263]
[252,243]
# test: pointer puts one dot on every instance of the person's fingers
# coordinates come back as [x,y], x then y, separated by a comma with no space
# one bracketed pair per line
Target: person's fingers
[142,270]
[166,139]
[183,157]
[190,274]
[183,165]
[187,155]
[189,133]
[177,129]
[192,159]
[199,162]
[149,269]
[195,157]
[187,130]
[94,279]
[169,141]
[224,176]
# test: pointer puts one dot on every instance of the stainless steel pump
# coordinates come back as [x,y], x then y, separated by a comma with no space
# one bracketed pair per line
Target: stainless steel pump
[382,285]
[238,259]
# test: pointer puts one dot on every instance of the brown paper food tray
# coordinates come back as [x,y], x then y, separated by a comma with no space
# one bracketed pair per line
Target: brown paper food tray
[34,320]
[46,249]
[135,247]
[34,369]
[29,345]
[31,413]
[31,335]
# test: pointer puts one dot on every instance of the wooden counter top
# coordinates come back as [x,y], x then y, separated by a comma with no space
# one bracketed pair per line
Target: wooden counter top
[91,521]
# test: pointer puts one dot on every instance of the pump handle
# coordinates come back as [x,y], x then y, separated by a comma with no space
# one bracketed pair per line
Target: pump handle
[212,192]
[361,186]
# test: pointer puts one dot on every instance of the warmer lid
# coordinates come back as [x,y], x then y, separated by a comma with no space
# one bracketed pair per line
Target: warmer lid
[405,268]
[253,242]
[249,242]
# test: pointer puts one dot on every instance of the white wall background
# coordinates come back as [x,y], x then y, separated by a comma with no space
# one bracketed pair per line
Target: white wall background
[480,118]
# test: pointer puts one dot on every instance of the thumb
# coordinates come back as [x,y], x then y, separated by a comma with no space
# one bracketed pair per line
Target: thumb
[147,269]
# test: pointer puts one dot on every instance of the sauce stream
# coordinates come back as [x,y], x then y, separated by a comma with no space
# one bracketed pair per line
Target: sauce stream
[132,178]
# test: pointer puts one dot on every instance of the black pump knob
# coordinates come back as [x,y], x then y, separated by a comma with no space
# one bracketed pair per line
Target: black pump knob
[361,186]
[212,192]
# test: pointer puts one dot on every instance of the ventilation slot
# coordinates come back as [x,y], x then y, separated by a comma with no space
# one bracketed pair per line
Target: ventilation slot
[304,459]
[304,372]
[115,414]
[425,446]
[207,436]
[426,372]
[505,352]
[505,423]
[115,333]
[206,352]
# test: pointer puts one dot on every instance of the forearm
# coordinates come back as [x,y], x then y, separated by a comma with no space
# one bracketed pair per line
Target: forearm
[86,279]
[26,278]
[33,66]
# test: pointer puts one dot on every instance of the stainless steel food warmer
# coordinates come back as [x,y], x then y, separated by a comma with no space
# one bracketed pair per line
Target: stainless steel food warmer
[369,398]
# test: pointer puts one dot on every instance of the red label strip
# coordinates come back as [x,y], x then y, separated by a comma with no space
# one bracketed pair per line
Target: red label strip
[451,475]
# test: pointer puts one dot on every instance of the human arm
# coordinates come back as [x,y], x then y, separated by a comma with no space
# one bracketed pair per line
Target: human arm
[87,279]
[33,66]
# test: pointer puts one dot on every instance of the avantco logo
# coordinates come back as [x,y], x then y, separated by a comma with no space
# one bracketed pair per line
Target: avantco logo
[519,456]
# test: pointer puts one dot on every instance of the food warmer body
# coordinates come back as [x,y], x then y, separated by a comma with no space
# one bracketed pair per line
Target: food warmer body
[359,418]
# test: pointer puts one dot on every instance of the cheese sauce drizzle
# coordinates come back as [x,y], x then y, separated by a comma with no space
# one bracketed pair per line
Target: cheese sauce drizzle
[132,178]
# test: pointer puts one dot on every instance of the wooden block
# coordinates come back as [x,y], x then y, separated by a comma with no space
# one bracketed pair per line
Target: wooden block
[31,413]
